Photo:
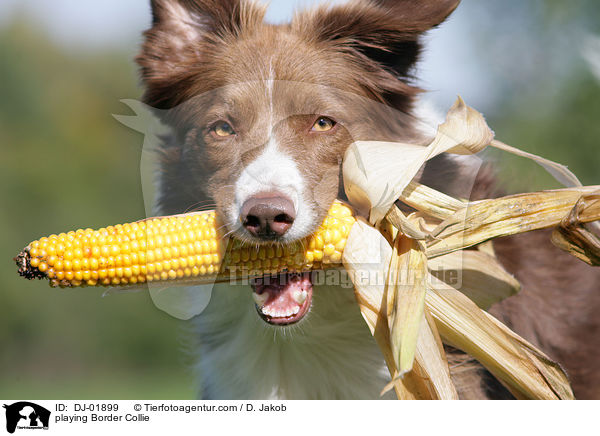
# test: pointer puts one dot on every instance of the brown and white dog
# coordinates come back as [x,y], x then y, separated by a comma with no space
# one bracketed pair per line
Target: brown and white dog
[261,116]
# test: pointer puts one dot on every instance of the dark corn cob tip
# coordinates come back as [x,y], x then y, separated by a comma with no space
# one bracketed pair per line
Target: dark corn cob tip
[24,267]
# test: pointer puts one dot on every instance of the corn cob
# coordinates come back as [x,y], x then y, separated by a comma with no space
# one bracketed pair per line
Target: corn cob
[182,248]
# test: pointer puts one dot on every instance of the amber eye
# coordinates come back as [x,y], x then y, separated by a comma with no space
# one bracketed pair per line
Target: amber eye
[222,129]
[323,124]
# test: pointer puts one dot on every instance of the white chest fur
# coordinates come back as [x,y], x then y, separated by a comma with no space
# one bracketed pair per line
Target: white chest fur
[330,354]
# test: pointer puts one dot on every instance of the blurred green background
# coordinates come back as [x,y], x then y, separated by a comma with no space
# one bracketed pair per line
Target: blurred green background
[66,163]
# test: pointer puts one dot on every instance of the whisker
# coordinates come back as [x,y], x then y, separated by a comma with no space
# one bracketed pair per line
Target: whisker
[303,244]
[228,234]
[197,207]
[221,227]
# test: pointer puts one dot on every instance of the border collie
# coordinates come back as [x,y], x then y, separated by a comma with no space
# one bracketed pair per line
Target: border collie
[261,116]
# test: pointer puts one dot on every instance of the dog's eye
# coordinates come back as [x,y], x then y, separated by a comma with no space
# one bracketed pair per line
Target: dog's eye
[222,129]
[323,124]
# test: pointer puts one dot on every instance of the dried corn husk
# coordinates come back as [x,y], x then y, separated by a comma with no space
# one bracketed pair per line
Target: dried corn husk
[430,201]
[376,175]
[478,275]
[551,371]
[431,366]
[407,284]
[431,357]
[368,254]
[560,172]
[464,131]
[573,237]
[411,226]
[523,369]
[508,357]
[367,258]
[486,219]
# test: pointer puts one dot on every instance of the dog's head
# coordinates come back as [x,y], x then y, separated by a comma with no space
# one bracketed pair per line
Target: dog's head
[262,114]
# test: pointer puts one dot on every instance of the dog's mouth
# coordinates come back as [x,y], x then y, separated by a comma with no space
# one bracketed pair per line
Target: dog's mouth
[283,299]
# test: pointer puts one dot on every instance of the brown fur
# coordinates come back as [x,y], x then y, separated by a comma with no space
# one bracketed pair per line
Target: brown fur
[210,60]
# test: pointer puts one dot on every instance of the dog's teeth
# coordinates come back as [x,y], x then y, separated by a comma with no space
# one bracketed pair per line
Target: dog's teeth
[274,313]
[300,296]
[260,299]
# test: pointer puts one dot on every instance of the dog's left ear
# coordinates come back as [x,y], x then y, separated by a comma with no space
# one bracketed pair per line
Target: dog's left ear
[382,35]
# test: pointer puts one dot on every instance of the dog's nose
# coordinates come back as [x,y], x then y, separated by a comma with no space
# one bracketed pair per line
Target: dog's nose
[268,215]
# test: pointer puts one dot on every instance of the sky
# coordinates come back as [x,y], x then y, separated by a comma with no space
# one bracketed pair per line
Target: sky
[76,22]
[449,65]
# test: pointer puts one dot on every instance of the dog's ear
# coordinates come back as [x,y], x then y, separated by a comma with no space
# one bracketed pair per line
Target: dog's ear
[387,31]
[418,15]
[383,36]
[183,34]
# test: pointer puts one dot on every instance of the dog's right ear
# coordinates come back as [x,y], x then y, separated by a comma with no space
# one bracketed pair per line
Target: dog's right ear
[183,35]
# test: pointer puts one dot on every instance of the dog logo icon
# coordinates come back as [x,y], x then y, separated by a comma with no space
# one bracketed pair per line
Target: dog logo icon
[26,415]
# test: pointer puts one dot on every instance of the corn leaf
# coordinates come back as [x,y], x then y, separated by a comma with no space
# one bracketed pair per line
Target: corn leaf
[430,375]
[551,371]
[560,172]
[476,274]
[407,284]
[431,356]
[573,237]
[464,131]
[367,258]
[409,227]
[430,201]
[486,219]
[463,325]
[376,173]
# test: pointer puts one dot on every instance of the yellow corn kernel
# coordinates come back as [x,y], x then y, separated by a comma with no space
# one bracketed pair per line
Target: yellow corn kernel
[188,247]
[328,250]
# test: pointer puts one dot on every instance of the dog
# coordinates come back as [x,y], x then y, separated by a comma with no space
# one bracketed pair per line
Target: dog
[261,116]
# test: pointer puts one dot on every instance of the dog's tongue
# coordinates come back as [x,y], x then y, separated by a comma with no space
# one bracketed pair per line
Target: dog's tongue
[283,298]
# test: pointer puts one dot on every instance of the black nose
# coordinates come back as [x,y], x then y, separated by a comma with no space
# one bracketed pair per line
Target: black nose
[268,215]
